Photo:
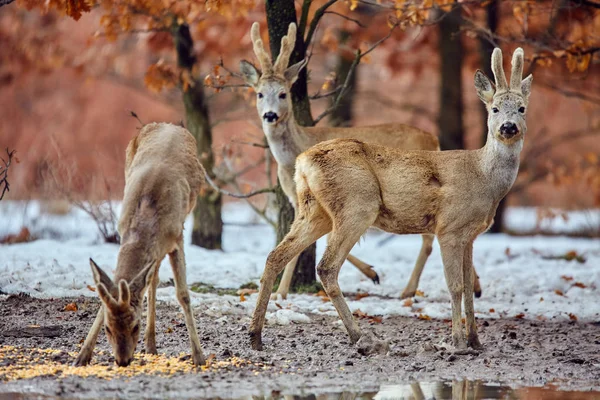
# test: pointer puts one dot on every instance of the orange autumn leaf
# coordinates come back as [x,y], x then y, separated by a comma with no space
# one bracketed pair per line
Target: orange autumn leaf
[492,310]
[580,285]
[419,293]
[520,316]
[74,8]
[424,317]
[242,297]
[70,307]
[559,292]
[361,295]
[572,317]
[91,288]
[566,278]
[408,303]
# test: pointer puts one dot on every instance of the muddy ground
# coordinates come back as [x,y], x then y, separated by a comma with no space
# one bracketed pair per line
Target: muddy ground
[298,358]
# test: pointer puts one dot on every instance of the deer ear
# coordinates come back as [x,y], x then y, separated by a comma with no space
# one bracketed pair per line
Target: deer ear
[138,285]
[291,74]
[100,277]
[526,86]
[484,86]
[250,74]
[106,297]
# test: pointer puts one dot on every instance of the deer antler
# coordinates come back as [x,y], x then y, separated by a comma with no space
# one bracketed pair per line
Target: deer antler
[287,47]
[516,74]
[259,49]
[501,84]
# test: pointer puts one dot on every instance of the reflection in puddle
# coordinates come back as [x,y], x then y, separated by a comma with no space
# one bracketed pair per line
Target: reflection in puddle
[457,390]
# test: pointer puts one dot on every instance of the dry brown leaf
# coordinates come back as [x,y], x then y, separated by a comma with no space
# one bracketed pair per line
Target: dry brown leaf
[361,295]
[520,316]
[419,293]
[424,317]
[70,307]
[492,310]
[278,306]
[566,277]
[90,287]
[169,330]
[559,292]
[408,303]
[572,317]
[580,285]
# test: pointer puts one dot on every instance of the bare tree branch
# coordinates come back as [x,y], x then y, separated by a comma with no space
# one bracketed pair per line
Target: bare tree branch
[347,18]
[315,21]
[346,86]
[237,195]
[4,185]
[571,93]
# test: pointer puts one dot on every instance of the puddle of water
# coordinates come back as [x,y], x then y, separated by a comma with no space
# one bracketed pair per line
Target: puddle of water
[457,390]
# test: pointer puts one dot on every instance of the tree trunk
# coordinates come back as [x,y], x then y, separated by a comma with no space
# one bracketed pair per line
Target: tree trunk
[450,122]
[342,115]
[280,13]
[485,52]
[208,225]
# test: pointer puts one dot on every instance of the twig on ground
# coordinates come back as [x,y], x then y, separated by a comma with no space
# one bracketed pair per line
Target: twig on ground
[4,184]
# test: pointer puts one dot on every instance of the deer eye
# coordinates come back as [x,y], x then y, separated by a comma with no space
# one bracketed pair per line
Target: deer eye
[495,110]
[522,110]
[135,329]
[282,96]
[260,95]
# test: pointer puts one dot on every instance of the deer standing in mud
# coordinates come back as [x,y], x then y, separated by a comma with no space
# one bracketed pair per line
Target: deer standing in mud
[344,186]
[287,139]
[160,191]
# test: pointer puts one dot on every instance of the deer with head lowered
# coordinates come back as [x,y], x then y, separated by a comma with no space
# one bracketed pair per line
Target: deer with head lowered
[344,186]
[287,139]
[160,191]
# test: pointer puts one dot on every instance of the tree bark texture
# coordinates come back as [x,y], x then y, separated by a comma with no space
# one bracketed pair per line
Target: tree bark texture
[450,121]
[280,13]
[343,115]
[208,224]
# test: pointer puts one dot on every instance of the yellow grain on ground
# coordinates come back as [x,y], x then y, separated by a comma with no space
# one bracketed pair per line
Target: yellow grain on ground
[26,363]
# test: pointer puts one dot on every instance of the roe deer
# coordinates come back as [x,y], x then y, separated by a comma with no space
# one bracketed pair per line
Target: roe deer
[344,186]
[163,177]
[287,139]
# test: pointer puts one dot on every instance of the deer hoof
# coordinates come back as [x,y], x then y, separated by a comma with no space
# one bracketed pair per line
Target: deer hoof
[375,279]
[478,293]
[256,341]
[474,343]
[83,359]
[198,358]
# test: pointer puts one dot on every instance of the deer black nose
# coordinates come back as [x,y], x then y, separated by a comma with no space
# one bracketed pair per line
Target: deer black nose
[509,129]
[270,116]
[124,362]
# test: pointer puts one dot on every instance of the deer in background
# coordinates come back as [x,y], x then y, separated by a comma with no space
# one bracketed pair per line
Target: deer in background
[160,191]
[287,139]
[344,186]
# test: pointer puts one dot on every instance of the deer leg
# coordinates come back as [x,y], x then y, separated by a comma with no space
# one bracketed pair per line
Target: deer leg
[340,242]
[476,284]
[469,275]
[85,354]
[304,232]
[286,279]
[365,268]
[452,257]
[177,259]
[150,335]
[413,283]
